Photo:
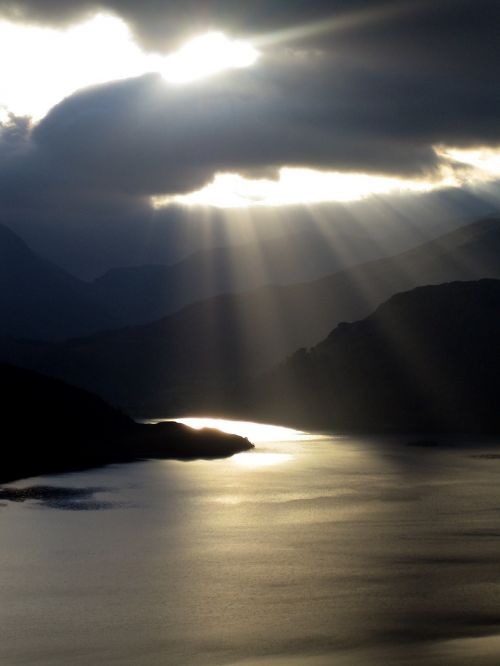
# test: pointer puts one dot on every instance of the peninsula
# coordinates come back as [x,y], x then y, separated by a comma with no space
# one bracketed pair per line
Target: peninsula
[50,427]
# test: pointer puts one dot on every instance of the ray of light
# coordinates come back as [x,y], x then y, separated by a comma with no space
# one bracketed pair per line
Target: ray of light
[263,323]
[339,23]
[242,336]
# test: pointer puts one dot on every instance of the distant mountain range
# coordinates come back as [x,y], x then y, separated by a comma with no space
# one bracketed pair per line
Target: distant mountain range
[141,294]
[40,301]
[426,360]
[185,361]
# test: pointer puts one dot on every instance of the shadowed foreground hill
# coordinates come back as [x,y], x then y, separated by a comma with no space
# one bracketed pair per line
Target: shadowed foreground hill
[48,426]
[426,360]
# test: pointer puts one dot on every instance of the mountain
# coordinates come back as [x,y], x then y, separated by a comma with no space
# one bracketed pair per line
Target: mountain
[426,360]
[141,294]
[39,300]
[48,426]
[186,360]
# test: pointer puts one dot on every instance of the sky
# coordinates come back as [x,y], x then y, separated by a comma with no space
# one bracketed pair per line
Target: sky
[114,113]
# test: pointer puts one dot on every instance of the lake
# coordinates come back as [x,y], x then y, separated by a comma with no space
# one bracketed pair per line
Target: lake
[308,551]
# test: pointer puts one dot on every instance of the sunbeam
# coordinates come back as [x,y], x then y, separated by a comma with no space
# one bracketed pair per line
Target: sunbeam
[341,22]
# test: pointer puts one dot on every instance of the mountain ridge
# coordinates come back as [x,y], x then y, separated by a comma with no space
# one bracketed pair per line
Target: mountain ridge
[182,361]
[40,300]
[427,360]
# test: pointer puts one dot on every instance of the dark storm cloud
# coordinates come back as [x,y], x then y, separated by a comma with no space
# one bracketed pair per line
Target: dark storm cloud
[374,95]
[142,136]
[146,137]
[159,23]
[439,30]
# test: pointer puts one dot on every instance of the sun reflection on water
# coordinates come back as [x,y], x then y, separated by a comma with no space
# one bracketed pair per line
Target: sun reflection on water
[255,459]
[255,432]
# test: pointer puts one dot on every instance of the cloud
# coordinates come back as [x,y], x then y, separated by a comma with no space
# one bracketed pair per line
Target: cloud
[159,24]
[143,137]
[146,137]
[371,90]
[374,97]
[410,29]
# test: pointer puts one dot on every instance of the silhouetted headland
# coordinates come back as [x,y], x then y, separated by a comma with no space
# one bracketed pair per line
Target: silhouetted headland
[50,427]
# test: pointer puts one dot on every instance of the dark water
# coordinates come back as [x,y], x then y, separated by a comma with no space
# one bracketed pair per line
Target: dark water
[314,552]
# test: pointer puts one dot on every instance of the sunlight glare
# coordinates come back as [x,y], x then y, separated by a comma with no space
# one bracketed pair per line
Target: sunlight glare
[4,116]
[207,55]
[485,160]
[257,459]
[255,432]
[46,65]
[42,66]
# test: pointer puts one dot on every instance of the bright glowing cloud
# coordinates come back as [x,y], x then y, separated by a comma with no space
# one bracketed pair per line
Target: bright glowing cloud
[300,186]
[4,116]
[207,55]
[483,161]
[42,66]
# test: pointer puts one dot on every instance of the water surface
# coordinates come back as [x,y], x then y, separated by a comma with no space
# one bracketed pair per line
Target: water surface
[306,551]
